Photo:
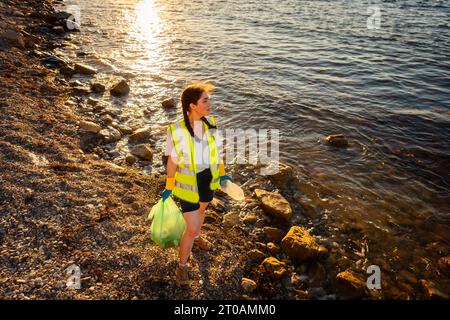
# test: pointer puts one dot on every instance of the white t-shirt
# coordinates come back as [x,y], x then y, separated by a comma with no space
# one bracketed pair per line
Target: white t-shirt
[201,149]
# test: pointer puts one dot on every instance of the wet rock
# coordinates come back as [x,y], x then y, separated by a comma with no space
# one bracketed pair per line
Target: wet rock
[432,291]
[14,37]
[130,159]
[169,103]
[98,87]
[90,126]
[444,265]
[84,69]
[230,219]
[142,151]
[248,285]
[120,89]
[300,245]
[283,176]
[110,135]
[350,285]
[260,246]
[337,140]
[273,248]
[273,233]
[256,256]
[274,204]
[274,267]
[140,135]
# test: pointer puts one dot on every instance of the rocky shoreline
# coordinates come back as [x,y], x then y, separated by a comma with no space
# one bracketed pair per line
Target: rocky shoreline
[70,198]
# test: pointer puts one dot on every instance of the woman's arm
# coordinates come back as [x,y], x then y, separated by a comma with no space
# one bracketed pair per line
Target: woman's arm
[171,167]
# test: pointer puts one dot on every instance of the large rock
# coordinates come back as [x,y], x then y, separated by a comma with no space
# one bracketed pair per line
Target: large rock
[14,37]
[120,89]
[110,134]
[248,285]
[350,285]
[169,103]
[139,135]
[274,267]
[142,151]
[90,126]
[274,204]
[231,219]
[283,175]
[98,87]
[300,245]
[337,140]
[84,69]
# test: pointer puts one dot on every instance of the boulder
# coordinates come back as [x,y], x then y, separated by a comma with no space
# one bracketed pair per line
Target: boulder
[142,151]
[282,175]
[169,103]
[337,140]
[84,69]
[350,285]
[274,204]
[248,285]
[14,37]
[98,88]
[120,89]
[90,126]
[139,135]
[230,219]
[110,134]
[274,267]
[300,245]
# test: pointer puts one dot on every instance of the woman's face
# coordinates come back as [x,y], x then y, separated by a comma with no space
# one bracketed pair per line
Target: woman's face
[203,106]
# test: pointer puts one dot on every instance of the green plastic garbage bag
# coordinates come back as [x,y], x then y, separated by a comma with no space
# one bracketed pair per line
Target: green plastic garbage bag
[168,223]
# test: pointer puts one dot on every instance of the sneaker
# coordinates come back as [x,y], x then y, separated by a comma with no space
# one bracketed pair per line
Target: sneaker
[182,273]
[203,244]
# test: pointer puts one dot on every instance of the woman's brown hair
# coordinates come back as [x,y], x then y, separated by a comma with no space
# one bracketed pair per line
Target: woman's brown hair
[191,94]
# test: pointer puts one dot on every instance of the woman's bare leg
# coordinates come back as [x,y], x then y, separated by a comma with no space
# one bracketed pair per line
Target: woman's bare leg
[201,215]
[192,225]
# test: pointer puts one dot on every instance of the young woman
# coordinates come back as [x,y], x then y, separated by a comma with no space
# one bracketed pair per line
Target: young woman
[194,168]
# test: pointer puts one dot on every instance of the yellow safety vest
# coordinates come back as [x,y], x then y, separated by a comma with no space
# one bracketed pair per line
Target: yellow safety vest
[186,174]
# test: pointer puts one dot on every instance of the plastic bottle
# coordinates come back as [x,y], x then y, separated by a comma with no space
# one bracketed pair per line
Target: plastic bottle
[233,190]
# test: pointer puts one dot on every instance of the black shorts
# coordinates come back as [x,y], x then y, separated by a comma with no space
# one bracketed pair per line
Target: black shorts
[206,194]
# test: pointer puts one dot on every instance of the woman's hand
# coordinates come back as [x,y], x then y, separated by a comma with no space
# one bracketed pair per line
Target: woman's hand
[165,194]
[224,178]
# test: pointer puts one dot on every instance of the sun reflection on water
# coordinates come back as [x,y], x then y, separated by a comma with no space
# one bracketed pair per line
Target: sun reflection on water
[145,29]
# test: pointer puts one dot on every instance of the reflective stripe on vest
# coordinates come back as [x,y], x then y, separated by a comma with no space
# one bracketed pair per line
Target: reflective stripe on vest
[185,177]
